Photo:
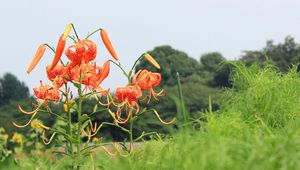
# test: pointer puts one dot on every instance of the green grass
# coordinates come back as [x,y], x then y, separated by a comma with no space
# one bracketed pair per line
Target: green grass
[257,127]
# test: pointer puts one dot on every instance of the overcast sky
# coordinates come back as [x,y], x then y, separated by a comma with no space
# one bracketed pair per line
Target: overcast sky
[136,26]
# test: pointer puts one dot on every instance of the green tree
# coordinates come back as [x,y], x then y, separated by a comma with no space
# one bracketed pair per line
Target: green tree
[211,61]
[282,55]
[171,61]
[215,69]
[12,89]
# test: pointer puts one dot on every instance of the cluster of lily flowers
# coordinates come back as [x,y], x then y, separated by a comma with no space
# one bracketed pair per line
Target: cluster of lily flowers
[81,69]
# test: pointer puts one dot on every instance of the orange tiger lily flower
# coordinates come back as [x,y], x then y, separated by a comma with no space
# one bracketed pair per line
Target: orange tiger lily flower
[147,80]
[59,50]
[108,44]
[128,96]
[83,50]
[37,57]
[58,70]
[85,72]
[57,75]
[90,73]
[46,92]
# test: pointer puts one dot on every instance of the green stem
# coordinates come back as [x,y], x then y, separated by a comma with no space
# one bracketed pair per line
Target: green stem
[147,134]
[136,61]
[209,104]
[131,121]
[79,123]
[69,119]
[75,32]
[93,33]
[50,112]
[73,38]
[181,98]
[51,48]
[124,72]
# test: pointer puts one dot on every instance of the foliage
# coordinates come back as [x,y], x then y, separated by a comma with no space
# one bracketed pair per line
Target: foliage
[171,61]
[263,94]
[83,74]
[282,55]
[211,61]
[12,89]
[252,125]
[231,138]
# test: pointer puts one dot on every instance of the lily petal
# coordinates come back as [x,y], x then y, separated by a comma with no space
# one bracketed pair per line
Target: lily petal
[105,71]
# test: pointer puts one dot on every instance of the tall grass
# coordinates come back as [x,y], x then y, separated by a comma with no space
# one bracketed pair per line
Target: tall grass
[257,127]
[265,95]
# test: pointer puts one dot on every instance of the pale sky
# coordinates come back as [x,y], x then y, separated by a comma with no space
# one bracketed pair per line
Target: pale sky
[136,26]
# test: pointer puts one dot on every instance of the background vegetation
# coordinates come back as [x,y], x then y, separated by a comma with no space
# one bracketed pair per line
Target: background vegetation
[208,76]
[252,122]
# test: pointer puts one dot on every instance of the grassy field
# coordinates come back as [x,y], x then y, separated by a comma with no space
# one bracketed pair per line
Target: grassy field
[257,127]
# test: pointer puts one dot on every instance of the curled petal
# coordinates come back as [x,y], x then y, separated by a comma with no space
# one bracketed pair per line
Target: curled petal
[26,124]
[120,104]
[94,128]
[146,79]
[58,70]
[31,112]
[102,92]
[46,92]
[107,151]
[90,50]
[130,93]
[121,120]
[121,151]
[105,104]
[44,138]
[137,108]
[134,79]
[71,54]
[166,123]
[156,95]
[114,116]
[105,72]
[83,132]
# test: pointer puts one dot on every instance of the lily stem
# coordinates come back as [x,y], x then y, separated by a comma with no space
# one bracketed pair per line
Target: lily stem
[131,133]
[75,32]
[90,34]
[69,122]
[79,123]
